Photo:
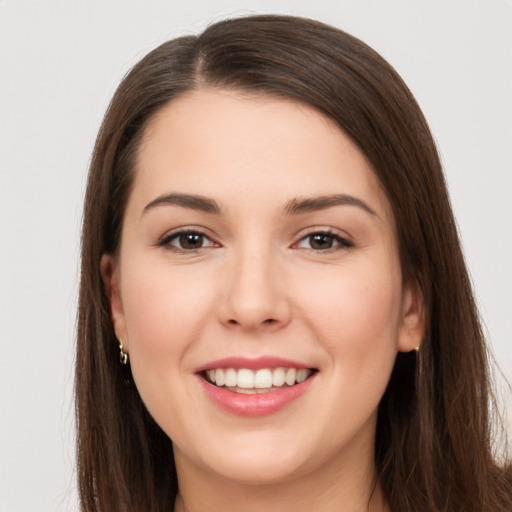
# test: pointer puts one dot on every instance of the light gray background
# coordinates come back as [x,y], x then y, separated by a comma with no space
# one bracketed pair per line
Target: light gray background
[60,62]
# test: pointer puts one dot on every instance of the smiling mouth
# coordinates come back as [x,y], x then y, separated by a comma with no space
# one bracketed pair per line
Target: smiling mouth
[264,380]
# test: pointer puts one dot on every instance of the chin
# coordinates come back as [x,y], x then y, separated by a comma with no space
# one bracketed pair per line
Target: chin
[254,459]
[258,471]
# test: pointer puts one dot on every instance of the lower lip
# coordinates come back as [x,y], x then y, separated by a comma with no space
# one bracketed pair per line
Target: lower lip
[258,404]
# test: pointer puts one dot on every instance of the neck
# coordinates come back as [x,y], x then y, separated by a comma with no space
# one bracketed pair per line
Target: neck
[338,486]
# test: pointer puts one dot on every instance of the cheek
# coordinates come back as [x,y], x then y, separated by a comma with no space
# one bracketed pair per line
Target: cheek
[355,315]
[164,313]
[356,310]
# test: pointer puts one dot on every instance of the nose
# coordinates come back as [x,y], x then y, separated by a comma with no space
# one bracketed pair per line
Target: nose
[254,297]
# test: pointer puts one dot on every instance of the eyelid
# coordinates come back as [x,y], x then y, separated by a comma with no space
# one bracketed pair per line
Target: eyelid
[165,240]
[344,240]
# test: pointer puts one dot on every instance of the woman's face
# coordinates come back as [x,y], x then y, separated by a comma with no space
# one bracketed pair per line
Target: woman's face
[258,250]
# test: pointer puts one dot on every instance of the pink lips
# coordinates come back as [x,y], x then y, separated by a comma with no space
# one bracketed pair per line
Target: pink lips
[259,404]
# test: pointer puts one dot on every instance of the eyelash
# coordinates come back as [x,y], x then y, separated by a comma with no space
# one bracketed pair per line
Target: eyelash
[167,240]
[339,242]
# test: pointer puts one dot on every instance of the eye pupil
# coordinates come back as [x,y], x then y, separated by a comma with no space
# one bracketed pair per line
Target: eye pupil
[321,241]
[191,240]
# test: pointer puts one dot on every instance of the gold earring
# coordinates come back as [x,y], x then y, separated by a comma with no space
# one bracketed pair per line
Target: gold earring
[123,357]
[417,348]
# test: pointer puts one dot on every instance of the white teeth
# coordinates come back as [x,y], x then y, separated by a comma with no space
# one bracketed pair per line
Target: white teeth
[231,377]
[278,377]
[302,375]
[245,378]
[264,378]
[290,376]
[219,377]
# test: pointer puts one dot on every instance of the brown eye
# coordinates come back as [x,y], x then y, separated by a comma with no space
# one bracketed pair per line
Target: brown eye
[323,242]
[190,240]
[187,241]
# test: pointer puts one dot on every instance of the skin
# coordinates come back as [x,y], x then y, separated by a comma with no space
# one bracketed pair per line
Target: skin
[258,287]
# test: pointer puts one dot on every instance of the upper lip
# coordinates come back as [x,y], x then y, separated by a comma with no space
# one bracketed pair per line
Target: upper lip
[251,363]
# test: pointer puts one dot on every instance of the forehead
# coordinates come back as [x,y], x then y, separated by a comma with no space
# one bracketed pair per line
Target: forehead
[226,144]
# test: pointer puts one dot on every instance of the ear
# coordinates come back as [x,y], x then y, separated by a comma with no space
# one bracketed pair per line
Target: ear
[412,325]
[110,273]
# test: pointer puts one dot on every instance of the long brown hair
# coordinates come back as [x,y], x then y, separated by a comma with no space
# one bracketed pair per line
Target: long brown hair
[433,448]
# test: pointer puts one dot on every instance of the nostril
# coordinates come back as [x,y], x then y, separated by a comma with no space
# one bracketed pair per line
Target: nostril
[268,321]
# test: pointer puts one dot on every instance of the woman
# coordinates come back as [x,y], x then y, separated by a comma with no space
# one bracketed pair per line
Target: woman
[274,307]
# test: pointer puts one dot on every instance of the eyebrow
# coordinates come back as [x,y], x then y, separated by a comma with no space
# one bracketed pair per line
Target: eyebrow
[193,202]
[294,207]
[312,204]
